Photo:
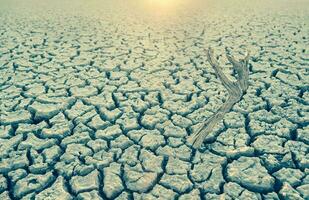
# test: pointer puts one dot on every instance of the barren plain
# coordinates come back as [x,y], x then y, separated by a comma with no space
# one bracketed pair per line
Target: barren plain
[97,99]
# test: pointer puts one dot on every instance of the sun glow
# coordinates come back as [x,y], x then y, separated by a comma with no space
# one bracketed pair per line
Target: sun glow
[165,5]
[168,11]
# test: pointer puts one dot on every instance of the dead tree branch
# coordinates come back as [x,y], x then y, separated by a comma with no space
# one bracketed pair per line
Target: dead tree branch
[236,89]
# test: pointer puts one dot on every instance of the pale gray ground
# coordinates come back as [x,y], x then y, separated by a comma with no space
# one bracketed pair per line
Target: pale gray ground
[97,99]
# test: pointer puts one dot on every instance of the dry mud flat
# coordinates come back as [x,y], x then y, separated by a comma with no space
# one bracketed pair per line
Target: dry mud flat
[97,99]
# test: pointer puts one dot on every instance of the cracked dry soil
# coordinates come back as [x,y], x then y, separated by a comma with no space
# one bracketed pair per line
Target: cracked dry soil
[97,99]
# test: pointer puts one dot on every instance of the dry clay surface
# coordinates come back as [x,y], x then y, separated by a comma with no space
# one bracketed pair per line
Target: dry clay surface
[97,99]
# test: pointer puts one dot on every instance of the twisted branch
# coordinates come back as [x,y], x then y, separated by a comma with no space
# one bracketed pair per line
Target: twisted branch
[236,89]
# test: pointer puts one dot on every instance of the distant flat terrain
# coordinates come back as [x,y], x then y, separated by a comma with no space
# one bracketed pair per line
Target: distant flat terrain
[97,99]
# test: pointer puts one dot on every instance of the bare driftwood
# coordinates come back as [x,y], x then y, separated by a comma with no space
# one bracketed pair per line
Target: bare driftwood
[235,89]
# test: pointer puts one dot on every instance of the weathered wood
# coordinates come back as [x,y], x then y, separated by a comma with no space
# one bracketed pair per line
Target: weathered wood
[235,89]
